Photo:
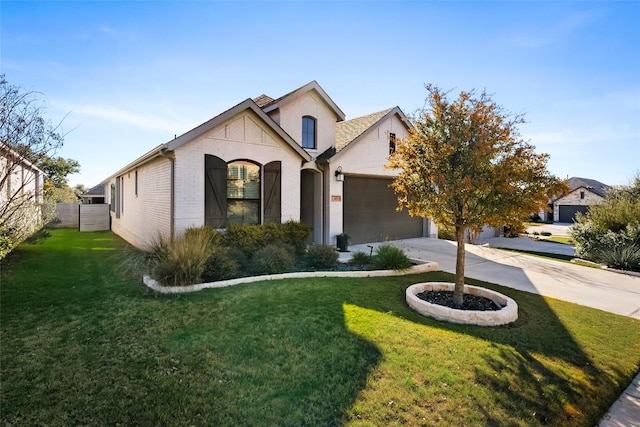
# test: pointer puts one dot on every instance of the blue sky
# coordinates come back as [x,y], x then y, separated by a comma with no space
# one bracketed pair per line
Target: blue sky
[128,76]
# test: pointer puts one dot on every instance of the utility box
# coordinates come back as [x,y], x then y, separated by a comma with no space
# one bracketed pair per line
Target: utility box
[342,242]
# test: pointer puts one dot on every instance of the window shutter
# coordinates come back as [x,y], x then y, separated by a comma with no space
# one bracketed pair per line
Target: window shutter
[215,192]
[272,192]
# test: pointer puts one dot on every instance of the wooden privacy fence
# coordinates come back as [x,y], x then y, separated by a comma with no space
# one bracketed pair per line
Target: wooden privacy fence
[84,217]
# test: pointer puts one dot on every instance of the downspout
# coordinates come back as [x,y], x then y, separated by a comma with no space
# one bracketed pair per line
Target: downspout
[169,155]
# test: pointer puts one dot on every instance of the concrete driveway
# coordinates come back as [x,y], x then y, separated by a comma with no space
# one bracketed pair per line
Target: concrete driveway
[602,289]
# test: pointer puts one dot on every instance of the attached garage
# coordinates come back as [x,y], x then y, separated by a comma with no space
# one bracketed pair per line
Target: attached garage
[568,212]
[369,212]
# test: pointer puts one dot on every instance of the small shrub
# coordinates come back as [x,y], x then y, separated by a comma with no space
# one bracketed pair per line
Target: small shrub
[181,261]
[624,257]
[296,234]
[322,256]
[545,233]
[238,256]
[221,266]
[360,258]
[390,258]
[244,237]
[272,259]
[536,233]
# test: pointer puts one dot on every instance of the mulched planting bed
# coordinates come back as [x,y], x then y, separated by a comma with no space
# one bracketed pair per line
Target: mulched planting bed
[470,302]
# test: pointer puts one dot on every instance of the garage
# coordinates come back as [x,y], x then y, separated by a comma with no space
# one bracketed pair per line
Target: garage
[568,212]
[369,212]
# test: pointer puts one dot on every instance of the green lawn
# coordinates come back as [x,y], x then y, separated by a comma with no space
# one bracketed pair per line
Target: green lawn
[82,345]
[565,240]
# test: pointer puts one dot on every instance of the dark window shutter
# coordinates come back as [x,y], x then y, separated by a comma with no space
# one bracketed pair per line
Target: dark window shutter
[272,192]
[215,192]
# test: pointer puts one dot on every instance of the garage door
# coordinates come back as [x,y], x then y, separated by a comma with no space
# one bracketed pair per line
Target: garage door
[568,212]
[370,215]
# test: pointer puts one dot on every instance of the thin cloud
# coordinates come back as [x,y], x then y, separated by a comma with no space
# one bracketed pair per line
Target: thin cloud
[145,121]
[554,33]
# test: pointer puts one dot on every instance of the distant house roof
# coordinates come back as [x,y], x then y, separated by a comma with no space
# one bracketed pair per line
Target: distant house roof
[590,184]
[350,131]
[97,191]
[268,106]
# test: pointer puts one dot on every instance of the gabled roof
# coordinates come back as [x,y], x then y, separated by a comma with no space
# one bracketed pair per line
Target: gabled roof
[285,99]
[247,104]
[590,184]
[97,191]
[350,131]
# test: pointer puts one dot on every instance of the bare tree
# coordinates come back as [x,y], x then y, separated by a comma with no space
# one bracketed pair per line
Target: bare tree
[27,138]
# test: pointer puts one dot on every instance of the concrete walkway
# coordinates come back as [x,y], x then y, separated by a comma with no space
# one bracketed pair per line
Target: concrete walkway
[601,289]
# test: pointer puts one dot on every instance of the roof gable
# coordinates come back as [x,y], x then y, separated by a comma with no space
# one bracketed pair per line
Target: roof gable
[351,131]
[189,136]
[590,184]
[247,104]
[285,99]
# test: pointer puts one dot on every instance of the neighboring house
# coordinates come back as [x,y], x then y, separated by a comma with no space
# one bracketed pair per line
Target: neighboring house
[582,193]
[270,160]
[94,195]
[21,193]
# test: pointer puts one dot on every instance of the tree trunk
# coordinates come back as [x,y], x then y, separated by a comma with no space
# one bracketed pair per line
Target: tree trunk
[458,292]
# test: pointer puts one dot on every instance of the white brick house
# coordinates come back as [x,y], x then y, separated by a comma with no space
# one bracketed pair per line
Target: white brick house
[269,160]
[21,193]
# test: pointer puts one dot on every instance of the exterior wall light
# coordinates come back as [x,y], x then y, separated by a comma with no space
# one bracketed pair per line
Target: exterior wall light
[339,174]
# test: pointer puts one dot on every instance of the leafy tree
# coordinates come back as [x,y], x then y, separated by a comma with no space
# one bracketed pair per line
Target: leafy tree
[465,165]
[26,140]
[58,169]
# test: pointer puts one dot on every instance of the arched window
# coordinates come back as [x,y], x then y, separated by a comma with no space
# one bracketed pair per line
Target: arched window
[243,192]
[309,132]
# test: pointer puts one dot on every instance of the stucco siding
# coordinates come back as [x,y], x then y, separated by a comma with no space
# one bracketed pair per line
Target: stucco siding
[574,199]
[242,137]
[148,213]
[310,104]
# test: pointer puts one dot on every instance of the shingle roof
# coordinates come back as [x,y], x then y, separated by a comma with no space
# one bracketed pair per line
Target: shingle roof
[349,130]
[98,190]
[263,100]
[590,184]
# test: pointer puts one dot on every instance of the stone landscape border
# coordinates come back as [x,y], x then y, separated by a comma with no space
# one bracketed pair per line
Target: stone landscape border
[508,313]
[156,286]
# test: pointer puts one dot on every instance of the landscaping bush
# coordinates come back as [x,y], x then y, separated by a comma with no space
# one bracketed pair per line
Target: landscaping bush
[390,258]
[181,261]
[360,258]
[296,234]
[625,257]
[249,238]
[545,233]
[273,259]
[322,256]
[221,266]
[239,256]
[244,237]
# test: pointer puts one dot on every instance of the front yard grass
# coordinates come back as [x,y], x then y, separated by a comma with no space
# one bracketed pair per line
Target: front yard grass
[82,345]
